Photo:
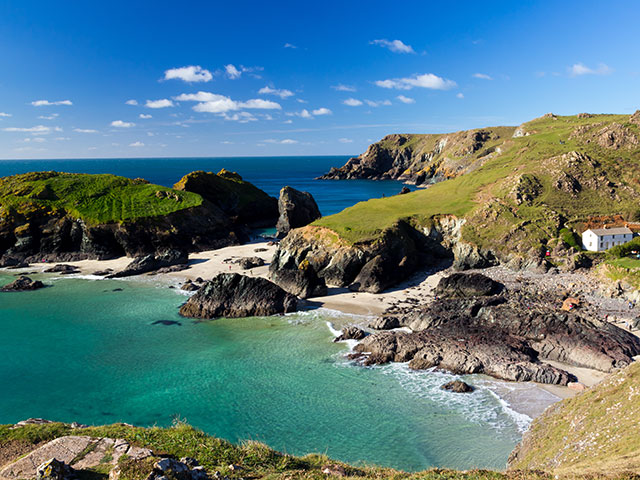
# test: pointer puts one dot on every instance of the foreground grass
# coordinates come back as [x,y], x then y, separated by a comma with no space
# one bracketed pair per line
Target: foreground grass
[93,198]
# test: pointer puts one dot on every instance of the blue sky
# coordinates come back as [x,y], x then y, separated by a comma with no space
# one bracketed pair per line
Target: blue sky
[298,78]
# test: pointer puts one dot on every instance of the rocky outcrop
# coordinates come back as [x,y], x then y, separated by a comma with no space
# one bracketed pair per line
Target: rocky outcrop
[457,386]
[153,262]
[423,158]
[232,295]
[297,209]
[22,284]
[465,285]
[505,336]
[247,263]
[350,333]
[242,201]
[303,282]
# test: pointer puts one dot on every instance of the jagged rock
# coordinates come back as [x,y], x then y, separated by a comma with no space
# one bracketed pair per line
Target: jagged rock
[54,469]
[189,286]
[302,282]
[457,386]
[234,295]
[385,323]
[247,263]
[635,118]
[297,209]
[149,263]
[103,273]
[63,269]
[22,284]
[463,285]
[404,190]
[350,333]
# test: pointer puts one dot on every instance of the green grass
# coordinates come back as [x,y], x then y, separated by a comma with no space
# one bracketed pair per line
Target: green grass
[484,196]
[93,198]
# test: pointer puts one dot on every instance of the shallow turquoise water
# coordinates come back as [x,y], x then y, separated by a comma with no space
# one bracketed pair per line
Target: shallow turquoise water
[79,351]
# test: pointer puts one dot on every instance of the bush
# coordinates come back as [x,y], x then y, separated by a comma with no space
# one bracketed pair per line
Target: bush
[620,251]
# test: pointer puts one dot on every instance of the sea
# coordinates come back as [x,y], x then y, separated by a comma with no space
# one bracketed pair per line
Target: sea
[100,351]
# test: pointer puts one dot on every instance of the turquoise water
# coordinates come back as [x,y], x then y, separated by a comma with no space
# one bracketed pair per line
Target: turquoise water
[79,351]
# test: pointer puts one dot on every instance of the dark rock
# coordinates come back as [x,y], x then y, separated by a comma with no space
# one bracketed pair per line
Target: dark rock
[385,323]
[296,209]
[247,263]
[103,273]
[404,190]
[350,333]
[63,269]
[166,322]
[149,263]
[8,261]
[260,249]
[463,285]
[457,386]
[54,470]
[199,280]
[173,268]
[117,290]
[189,287]
[233,295]
[22,284]
[302,282]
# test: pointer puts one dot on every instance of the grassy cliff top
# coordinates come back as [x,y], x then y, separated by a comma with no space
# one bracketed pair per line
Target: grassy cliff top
[554,169]
[593,433]
[94,198]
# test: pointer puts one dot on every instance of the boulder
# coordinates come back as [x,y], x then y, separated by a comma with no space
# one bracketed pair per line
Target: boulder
[22,284]
[385,323]
[151,262]
[297,209]
[63,269]
[54,469]
[303,282]
[189,286]
[247,263]
[233,295]
[457,386]
[404,190]
[463,285]
[350,333]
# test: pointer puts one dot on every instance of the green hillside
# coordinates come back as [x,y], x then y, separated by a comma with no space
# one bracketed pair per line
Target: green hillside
[93,198]
[554,171]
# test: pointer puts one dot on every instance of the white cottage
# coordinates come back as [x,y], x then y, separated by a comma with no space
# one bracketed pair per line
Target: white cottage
[600,239]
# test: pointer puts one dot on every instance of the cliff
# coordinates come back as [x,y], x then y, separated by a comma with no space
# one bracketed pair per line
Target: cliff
[63,216]
[532,194]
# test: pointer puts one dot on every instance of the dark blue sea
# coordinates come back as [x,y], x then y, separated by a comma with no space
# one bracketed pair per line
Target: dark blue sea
[268,173]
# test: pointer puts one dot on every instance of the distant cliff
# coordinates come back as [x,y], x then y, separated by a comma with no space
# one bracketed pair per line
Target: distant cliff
[418,158]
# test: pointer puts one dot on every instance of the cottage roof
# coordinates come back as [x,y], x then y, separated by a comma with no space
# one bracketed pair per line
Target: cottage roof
[611,231]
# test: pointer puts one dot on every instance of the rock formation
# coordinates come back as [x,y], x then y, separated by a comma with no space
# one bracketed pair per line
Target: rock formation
[465,285]
[296,208]
[457,386]
[153,262]
[350,333]
[232,295]
[303,282]
[22,284]
[247,263]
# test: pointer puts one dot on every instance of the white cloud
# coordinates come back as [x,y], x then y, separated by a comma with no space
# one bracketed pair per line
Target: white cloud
[121,124]
[214,103]
[371,103]
[322,111]
[192,73]
[305,114]
[3,114]
[288,122]
[344,88]
[345,140]
[241,117]
[282,93]
[482,76]
[459,95]
[299,100]
[260,104]
[47,103]
[145,116]
[37,130]
[53,116]
[136,144]
[404,99]
[85,130]
[352,102]
[289,45]
[131,102]
[61,139]
[426,80]
[286,141]
[578,69]
[394,45]
[162,103]
[199,97]
[36,140]
[232,72]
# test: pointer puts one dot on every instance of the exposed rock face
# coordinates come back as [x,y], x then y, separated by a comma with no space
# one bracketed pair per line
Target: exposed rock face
[150,263]
[457,386]
[464,285]
[297,209]
[635,118]
[247,263]
[54,470]
[302,282]
[421,158]
[350,333]
[22,284]
[504,336]
[232,295]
